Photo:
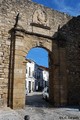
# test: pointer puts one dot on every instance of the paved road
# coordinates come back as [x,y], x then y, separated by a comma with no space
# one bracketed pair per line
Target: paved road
[35,100]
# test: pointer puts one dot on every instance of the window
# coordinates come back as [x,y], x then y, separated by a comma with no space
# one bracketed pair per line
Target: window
[26,70]
[29,71]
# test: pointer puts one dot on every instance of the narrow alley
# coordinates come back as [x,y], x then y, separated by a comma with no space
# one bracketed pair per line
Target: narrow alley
[35,99]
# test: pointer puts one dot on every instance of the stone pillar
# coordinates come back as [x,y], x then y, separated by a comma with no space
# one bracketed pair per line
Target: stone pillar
[51,84]
[56,82]
[63,77]
[19,90]
[54,76]
[58,77]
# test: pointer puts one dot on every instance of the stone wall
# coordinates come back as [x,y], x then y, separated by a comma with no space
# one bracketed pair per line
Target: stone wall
[73,60]
[24,25]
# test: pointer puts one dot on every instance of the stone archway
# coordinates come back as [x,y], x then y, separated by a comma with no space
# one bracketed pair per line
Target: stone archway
[22,46]
[23,43]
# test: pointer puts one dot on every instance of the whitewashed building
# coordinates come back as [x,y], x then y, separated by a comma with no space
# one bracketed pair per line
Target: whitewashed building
[37,77]
[30,79]
[45,77]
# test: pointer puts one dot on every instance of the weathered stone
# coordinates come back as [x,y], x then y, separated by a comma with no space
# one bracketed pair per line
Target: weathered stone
[25,25]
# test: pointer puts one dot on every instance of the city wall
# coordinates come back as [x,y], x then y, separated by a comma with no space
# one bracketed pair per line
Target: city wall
[25,25]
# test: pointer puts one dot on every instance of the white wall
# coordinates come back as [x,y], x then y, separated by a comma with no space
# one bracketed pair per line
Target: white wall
[45,78]
[30,66]
[37,74]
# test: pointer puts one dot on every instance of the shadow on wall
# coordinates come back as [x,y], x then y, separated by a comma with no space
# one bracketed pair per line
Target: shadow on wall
[68,38]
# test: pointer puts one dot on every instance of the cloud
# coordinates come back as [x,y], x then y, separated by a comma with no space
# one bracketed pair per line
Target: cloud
[71,7]
[63,7]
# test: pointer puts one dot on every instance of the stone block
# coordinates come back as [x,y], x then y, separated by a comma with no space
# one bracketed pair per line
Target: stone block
[1,53]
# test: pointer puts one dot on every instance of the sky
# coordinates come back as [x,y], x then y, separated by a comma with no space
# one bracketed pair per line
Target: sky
[71,7]
[38,55]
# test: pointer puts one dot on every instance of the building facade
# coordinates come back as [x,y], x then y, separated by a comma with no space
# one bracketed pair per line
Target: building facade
[37,77]
[45,77]
[30,79]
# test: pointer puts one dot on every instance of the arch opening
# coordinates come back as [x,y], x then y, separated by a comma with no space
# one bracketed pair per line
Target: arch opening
[29,42]
[37,77]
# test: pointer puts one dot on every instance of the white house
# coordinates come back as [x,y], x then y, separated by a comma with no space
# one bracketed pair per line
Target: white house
[30,80]
[45,77]
[37,77]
